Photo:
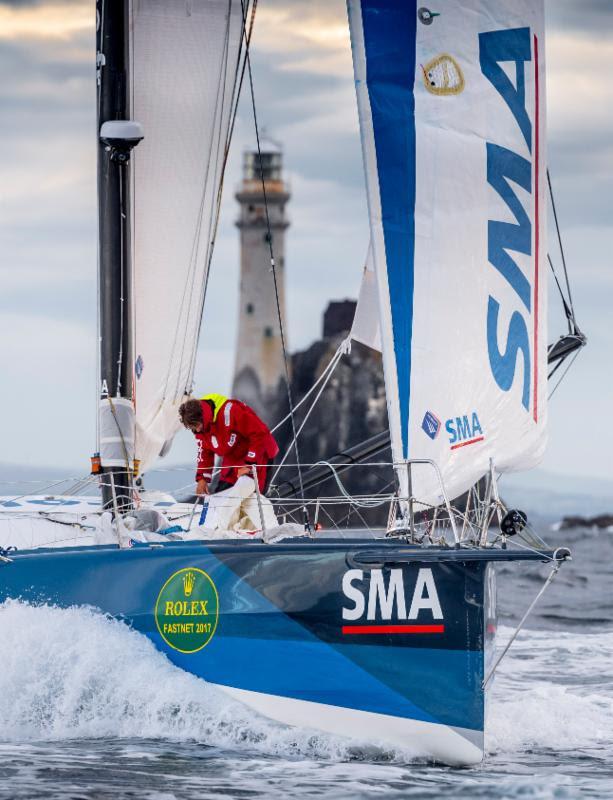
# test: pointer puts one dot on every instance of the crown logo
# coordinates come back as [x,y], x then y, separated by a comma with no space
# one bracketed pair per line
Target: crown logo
[443,75]
[189,579]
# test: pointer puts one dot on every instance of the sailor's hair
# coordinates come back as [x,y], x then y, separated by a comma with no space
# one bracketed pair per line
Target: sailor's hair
[190,413]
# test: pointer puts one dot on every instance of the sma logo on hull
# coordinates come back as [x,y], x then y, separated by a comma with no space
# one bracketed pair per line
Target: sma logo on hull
[382,608]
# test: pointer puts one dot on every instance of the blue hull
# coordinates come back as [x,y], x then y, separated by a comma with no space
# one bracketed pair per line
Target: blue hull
[374,640]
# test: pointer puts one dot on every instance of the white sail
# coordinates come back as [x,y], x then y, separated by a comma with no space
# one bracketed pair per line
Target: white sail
[184,59]
[366,328]
[451,104]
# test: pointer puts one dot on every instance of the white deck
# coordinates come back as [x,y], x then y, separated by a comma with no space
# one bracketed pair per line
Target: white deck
[35,521]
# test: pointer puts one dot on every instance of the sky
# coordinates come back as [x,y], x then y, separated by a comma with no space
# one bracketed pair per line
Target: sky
[306,100]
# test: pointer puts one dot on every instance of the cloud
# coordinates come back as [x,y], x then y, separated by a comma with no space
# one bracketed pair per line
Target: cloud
[48,371]
[579,86]
[308,37]
[48,157]
[587,17]
[38,20]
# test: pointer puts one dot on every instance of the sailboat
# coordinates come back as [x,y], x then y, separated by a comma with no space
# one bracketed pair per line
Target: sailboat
[386,635]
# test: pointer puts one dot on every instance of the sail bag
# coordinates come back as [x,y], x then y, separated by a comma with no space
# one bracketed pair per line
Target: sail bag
[451,104]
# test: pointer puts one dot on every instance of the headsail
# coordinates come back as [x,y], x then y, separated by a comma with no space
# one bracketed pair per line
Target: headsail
[451,106]
[185,58]
[366,328]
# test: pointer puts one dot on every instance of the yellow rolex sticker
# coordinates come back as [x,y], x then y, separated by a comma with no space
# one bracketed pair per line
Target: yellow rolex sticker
[187,610]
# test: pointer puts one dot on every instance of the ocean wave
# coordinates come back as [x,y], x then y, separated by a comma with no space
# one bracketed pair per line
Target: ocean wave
[77,674]
[553,690]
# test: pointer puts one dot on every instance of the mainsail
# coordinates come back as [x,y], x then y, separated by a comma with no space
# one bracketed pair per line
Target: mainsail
[185,61]
[451,103]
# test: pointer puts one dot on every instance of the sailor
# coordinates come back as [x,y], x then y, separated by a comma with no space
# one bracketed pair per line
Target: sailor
[228,428]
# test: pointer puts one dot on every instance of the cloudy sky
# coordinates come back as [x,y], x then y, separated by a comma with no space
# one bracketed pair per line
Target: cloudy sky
[305,95]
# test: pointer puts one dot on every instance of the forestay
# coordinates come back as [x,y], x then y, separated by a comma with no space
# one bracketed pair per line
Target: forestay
[451,106]
[185,57]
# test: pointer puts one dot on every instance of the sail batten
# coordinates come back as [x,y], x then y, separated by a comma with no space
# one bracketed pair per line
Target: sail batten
[451,114]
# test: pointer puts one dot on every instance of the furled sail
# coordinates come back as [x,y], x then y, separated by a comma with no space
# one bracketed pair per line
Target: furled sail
[451,104]
[185,59]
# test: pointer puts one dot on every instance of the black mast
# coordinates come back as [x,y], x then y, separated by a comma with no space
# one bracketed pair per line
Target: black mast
[116,139]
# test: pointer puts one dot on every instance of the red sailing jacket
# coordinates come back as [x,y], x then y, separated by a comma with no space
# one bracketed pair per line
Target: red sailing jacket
[239,436]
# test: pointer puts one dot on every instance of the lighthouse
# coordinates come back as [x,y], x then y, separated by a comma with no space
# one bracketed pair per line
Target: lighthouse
[259,364]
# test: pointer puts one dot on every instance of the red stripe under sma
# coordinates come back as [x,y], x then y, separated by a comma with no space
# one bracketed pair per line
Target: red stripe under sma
[393,629]
[536,227]
[470,441]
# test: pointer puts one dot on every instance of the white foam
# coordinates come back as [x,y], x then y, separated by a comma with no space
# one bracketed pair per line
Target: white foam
[553,690]
[75,673]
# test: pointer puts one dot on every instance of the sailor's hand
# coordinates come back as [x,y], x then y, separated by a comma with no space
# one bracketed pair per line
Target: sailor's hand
[202,487]
[243,471]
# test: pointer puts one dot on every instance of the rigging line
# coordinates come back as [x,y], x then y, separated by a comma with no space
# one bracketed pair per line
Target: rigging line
[355,510]
[556,368]
[305,420]
[78,485]
[569,314]
[545,557]
[236,92]
[351,509]
[555,216]
[42,490]
[345,519]
[238,82]
[572,361]
[366,503]
[530,537]
[557,564]
[58,541]
[331,365]
[272,262]
[333,521]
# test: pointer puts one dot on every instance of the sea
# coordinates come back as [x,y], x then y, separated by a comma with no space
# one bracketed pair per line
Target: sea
[89,710]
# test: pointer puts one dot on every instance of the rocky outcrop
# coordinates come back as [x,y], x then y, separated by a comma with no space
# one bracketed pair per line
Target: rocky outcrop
[601,521]
[352,406]
[351,409]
